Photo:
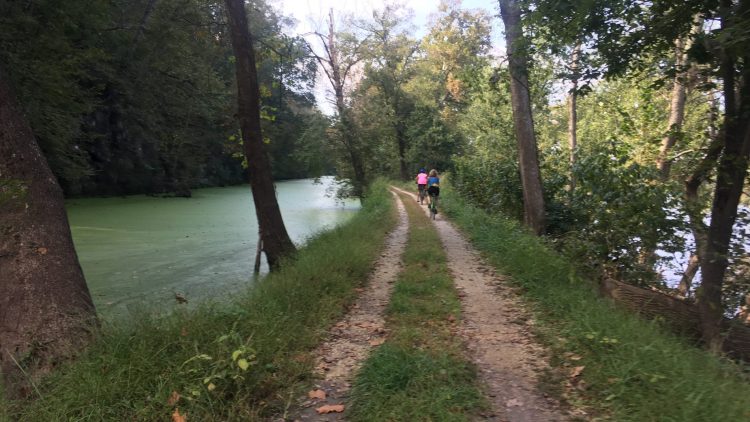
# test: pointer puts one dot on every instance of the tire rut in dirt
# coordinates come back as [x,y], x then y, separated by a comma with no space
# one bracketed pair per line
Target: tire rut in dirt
[351,340]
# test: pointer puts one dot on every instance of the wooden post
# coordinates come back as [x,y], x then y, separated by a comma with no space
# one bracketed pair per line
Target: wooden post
[258,250]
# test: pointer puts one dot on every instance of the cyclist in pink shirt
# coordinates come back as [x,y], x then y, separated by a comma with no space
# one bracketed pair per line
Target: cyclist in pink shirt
[421,183]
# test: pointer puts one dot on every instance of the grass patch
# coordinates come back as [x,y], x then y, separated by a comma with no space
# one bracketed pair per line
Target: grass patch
[242,360]
[634,369]
[420,373]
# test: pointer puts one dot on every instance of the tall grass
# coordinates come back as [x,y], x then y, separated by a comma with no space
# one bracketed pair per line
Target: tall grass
[633,369]
[227,361]
[420,373]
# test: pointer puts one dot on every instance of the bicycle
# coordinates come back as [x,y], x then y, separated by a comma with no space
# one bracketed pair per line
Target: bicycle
[422,195]
[433,206]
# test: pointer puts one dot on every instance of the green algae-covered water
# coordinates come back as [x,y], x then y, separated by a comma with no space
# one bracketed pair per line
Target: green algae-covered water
[137,251]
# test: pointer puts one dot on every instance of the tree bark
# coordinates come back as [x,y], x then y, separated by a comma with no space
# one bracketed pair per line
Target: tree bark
[686,281]
[401,140]
[679,96]
[523,122]
[337,78]
[730,178]
[573,114]
[142,27]
[694,208]
[46,311]
[276,241]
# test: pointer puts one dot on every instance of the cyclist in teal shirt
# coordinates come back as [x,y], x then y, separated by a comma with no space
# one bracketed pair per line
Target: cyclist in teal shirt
[433,184]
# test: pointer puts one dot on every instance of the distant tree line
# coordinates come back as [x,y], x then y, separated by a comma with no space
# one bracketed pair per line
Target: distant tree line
[130,96]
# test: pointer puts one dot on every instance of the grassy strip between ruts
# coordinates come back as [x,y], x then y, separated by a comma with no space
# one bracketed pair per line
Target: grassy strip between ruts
[235,361]
[630,369]
[420,373]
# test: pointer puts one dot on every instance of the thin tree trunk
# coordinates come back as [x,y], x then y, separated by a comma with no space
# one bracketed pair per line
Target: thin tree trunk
[346,126]
[573,114]
[142,27]
[730,178]
[46,311]
[686,281]
[401,140]
[679,96]
[523,122]
[276,241]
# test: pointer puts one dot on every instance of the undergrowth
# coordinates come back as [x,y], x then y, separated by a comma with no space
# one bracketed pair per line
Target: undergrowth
[632,369]
[420,373]
[242,360]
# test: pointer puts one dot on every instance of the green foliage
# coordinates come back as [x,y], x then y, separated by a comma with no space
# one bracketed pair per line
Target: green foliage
[619,212]
[631,367]
[137,97]
[223,373]
[420,373]
[48,50]
[488,173]
[134,366]
[432,143]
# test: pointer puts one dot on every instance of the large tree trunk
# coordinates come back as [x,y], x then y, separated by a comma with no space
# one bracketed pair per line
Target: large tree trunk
[46,310]
[573,114]
[730,178]
[523,122]
[694,207]
[276,241]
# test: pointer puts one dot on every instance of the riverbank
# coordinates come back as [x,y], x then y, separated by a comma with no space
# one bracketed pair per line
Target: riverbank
[606,362]
[233,361]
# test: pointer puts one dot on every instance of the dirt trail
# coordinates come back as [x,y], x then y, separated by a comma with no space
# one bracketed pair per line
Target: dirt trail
[495,328]
[351,339]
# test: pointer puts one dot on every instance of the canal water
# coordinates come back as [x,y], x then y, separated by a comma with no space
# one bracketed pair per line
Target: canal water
[138,251]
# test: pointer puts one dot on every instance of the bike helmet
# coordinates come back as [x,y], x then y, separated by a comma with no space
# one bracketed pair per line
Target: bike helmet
[422,170]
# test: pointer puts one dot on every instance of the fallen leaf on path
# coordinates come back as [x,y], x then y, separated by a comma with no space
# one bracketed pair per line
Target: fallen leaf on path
[513,403]
[301,358]
[173,398]
[377,341]
[42,251]
[576,371]
[330,408]
[177,417]
[317,394]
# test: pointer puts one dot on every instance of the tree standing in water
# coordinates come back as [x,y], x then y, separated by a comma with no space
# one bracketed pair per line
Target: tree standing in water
[276,241]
